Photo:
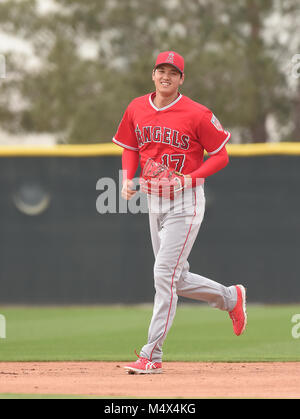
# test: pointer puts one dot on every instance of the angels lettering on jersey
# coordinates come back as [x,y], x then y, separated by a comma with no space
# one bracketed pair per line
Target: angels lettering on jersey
[163,135]
[177,134]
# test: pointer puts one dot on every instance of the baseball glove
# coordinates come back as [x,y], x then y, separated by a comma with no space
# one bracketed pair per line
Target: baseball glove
[157,179]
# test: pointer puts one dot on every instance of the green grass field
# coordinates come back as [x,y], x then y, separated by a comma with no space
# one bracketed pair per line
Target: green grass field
[111,333]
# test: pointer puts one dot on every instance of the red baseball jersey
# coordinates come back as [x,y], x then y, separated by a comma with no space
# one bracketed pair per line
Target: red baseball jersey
[175,135]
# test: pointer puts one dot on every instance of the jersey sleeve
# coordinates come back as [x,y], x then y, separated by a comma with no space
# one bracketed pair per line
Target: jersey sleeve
[125,136]
[212,135]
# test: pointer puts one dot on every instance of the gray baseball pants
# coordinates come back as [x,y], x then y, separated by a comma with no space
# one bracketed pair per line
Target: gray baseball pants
[174,226]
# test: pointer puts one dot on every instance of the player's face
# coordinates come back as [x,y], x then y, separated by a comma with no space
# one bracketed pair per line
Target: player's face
[167,79]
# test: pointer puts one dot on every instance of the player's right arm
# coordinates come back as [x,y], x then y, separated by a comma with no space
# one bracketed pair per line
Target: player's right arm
[130,162]
[125,137]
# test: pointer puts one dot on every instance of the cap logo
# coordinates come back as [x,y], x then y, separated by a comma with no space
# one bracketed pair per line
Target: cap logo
[170,58]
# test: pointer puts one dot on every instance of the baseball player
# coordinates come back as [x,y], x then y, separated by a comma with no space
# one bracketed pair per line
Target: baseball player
[172,131]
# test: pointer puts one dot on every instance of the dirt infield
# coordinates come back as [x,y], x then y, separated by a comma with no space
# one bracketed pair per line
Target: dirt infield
[179,380]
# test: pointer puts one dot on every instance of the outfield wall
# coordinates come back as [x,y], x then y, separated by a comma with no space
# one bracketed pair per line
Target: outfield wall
[56,248]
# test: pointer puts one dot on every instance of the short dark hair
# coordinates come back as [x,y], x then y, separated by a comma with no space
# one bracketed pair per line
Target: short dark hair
[175,68]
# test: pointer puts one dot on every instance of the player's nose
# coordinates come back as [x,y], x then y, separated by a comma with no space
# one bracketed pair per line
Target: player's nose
[166,77]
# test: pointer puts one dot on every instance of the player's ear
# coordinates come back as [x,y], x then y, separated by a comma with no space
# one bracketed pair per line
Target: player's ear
[153,72]
[181,79]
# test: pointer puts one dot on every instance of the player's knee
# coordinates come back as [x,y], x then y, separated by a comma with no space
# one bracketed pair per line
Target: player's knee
[165,273]
[161,269]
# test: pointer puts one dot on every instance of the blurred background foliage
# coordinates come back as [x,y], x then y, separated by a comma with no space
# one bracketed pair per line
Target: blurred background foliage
[93,56]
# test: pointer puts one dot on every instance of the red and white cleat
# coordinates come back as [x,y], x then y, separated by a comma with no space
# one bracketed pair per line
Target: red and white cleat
[144,366]
[238,315]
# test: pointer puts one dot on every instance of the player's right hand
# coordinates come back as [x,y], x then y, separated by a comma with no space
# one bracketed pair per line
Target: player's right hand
[128,189]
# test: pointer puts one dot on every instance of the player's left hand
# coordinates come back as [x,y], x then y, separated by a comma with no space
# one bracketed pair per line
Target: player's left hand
[161,187]
[158,180]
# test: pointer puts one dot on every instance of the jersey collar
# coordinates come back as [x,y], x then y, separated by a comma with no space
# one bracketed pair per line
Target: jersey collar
[165,107]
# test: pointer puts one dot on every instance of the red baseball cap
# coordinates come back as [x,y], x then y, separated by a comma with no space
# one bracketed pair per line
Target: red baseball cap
[171,57]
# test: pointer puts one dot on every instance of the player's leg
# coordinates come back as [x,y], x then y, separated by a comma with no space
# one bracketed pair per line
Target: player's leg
[231,299]
[200,288]
[173,237]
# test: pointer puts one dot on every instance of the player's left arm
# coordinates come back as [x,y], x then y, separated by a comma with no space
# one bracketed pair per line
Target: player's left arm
[213,139]
[212,165]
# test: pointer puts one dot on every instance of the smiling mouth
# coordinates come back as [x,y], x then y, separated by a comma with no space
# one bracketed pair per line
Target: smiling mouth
[166,84]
